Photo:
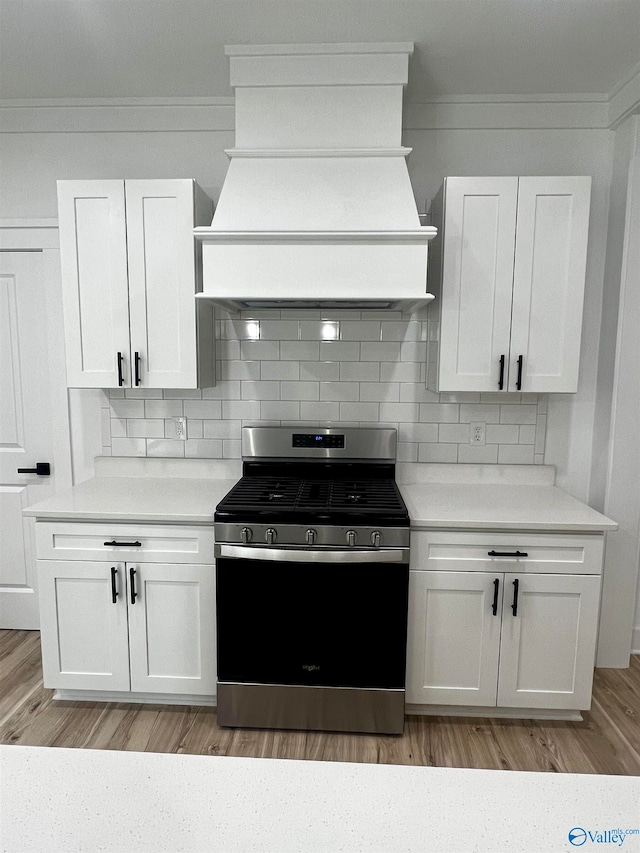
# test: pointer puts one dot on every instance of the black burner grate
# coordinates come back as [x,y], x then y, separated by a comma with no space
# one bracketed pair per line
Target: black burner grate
[293,494]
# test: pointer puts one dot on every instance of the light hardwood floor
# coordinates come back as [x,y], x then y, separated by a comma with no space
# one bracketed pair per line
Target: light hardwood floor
[607,741]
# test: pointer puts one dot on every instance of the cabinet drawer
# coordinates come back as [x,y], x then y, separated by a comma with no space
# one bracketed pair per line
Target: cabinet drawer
[158,543]
[470,552]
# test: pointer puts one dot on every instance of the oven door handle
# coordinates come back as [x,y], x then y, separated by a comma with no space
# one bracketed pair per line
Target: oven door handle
[290,555]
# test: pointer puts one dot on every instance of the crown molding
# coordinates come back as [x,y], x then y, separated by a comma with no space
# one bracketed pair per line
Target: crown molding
[624,98]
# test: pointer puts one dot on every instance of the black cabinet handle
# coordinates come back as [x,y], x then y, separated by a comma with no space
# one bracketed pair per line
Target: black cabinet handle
[501,380]
[132,585]
[519,379]
[499,553]
[496,587]
[514,606]
[136,367]
[120,376]
[114,591]
[115,544]
[42,469]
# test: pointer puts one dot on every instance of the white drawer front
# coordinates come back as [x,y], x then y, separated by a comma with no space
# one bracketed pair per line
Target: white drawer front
[158,543]
[470,552]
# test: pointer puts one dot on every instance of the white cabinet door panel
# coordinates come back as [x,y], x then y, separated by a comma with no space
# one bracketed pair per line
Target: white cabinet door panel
[172,629]
[480,215]
[93,259]
[548,282]
[84,633]
[547,649]
[454,638]
[161,254]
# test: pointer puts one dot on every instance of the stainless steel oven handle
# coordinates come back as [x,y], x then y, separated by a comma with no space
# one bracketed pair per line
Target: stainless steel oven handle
[396,555]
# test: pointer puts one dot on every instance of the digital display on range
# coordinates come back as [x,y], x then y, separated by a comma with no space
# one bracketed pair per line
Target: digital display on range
[311,439]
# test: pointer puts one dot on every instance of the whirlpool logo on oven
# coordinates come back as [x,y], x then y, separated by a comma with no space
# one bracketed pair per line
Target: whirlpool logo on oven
[310,667]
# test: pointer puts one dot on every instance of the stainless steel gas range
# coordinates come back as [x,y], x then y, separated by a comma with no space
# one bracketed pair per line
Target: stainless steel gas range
[312,549]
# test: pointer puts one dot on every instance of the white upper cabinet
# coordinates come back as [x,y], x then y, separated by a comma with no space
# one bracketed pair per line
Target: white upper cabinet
[130,271]
[511,269]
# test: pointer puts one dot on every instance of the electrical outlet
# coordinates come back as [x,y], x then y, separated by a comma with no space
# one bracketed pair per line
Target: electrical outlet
[477,433]
[179,428]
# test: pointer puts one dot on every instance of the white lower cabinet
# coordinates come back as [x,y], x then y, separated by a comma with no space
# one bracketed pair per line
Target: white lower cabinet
[128,625]
[521,638]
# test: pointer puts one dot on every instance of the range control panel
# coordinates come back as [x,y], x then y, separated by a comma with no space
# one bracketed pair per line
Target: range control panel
[314,440]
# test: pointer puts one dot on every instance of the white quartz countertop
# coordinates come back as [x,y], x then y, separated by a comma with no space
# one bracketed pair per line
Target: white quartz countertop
[450,496]
[499,506]
[54,800]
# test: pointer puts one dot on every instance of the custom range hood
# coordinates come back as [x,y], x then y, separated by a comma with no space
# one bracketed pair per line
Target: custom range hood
[317,209]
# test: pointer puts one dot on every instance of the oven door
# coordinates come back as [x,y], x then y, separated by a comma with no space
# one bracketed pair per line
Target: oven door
[312,618]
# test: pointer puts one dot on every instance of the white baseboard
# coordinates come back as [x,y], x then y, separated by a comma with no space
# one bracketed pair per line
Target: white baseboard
[502,713]
[138,698]
[635,641]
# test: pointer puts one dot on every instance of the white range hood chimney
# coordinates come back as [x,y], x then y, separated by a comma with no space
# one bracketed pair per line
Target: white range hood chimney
[317,207]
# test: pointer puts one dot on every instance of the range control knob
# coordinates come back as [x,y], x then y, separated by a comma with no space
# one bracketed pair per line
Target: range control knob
[270,536]
[246,534]
[351,538]
[311,536]
[376,538]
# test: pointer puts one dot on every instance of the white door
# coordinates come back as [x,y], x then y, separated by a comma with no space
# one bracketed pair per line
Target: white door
[172,629]
[93,258]
[161,257]
[25,427]
[477,275]
[547,648]
[453,638]
[84,630]
[548,284]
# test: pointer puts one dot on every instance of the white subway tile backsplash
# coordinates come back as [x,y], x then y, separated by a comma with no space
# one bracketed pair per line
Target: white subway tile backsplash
[241,409]
[299,350]
[128,447]
[515,454]
[360,330]
[396,412]
[479,412]
[325,371]
[279,370]
[203,448]
[503,433]
[205,409]
[359,412]
[141,428]
[417,432]
[340,368]
[281,410]
[340,351]
[278,330]
[359,371]
[340,391]
[163,408]
[238,370]
[300,390]
[256,350]
[380,351]
[321,411]
[263,390]
[387,392]
[453,433]
[437,453]
[165,447]
[397,371]
[220,429]
[487,454]
[521,414]
[439,413]
[127,408]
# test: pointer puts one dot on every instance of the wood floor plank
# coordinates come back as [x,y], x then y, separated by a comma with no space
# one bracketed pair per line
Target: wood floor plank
[607,741]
